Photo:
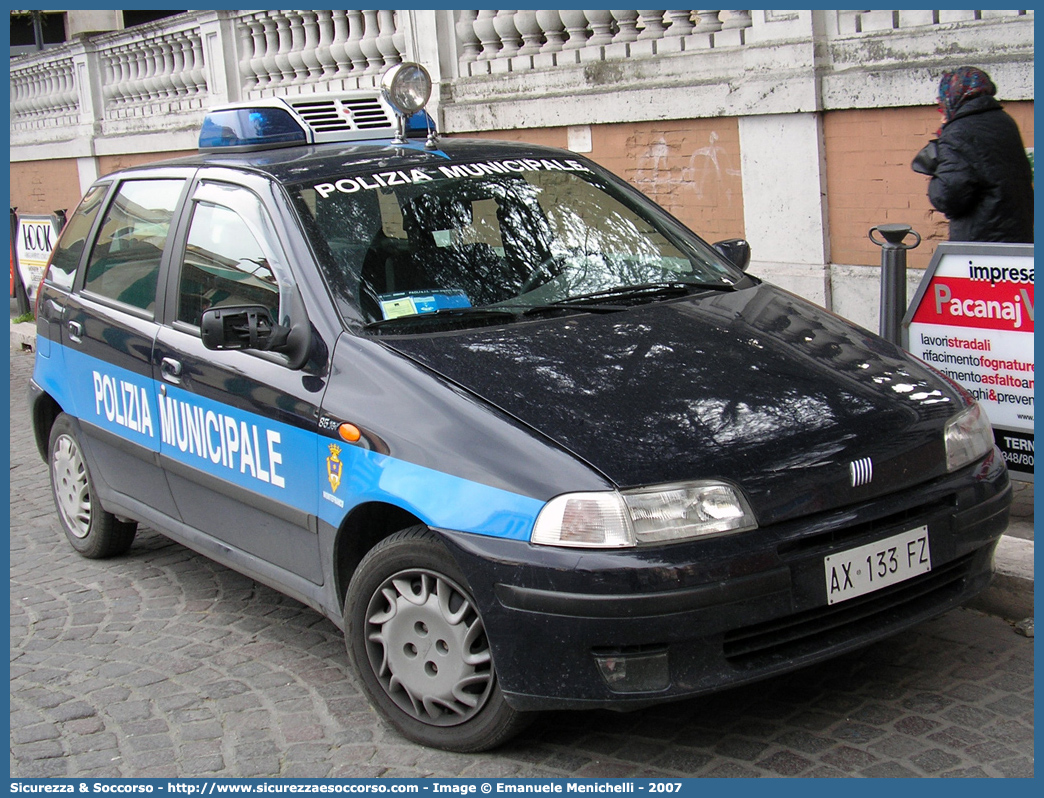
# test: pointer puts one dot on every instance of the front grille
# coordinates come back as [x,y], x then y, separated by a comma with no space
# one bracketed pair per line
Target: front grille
[819,628]
[832,537]
[343,114]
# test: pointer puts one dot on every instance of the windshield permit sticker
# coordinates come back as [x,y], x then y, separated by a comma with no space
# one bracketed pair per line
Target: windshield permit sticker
[415,302]
[350,185]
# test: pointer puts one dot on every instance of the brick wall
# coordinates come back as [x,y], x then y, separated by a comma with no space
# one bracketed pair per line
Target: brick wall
[39,187]
[690,167]
[48,186]
[107,164]
[869,180]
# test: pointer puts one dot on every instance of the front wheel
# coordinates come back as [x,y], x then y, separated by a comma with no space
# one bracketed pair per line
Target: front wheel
[92,531]
[420,648]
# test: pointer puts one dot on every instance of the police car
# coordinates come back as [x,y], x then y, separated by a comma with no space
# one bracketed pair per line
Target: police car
[527,439]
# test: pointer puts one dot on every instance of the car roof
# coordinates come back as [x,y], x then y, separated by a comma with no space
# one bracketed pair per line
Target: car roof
[322,161]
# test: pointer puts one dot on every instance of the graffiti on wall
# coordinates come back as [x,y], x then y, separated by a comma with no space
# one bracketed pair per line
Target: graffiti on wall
[695,183]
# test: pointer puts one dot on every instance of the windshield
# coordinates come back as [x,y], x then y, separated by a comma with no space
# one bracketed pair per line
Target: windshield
[481,242]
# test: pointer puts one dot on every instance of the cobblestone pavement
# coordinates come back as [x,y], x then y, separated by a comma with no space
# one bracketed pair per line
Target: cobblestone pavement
[161,663]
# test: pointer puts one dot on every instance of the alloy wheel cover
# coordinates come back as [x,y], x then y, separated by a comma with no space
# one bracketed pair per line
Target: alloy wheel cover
[428,648]
[71,487]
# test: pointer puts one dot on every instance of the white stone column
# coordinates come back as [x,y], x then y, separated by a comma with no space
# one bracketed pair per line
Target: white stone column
[77,22]
[88,71]
[87,168]
[431,41]
[221,55]
[784,202]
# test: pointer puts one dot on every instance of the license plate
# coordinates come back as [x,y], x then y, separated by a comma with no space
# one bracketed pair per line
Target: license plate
[865,569]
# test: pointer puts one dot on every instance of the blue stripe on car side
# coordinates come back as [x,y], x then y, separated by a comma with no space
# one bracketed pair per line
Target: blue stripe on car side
[291,465]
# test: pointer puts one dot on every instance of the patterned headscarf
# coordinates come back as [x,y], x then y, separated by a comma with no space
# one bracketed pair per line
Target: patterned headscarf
[961,85]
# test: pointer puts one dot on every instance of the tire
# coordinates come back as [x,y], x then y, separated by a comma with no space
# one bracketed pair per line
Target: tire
[92,531]
[419,647]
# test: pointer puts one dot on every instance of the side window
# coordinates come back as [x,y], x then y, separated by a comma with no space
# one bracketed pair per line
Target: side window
[74,237]
[224,265]
[125,260]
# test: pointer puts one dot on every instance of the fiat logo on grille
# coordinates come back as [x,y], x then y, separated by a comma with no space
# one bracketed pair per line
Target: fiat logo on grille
[862,472]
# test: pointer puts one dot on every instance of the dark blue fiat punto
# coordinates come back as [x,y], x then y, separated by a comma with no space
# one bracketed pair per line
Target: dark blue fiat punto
[531,442]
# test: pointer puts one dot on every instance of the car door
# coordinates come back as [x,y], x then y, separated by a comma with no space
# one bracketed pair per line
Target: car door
[108,327]
[237,428]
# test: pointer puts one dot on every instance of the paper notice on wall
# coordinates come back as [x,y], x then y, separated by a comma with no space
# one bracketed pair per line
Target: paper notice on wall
[35,238]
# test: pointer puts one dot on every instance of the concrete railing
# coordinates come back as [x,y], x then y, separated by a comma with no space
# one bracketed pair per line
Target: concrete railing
[291,50]
[43,95]
[162,70]
[154,80]
[851,23]
[501,41]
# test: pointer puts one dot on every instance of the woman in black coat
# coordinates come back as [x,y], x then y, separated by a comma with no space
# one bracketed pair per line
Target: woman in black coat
[981,177]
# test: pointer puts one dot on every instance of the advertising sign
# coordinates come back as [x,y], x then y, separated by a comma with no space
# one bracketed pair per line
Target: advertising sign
[35,237]
[972,319]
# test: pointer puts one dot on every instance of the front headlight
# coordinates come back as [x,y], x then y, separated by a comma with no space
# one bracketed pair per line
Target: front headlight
[969,437]
[660,514]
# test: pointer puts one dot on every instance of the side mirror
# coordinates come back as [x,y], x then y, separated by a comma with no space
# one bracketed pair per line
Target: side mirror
[736,251]
[252,327]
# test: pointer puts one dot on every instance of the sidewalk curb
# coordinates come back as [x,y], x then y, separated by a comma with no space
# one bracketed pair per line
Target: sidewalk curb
[1009,595]
[23,336]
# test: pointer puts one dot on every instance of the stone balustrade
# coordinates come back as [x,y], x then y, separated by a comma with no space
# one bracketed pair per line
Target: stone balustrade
[501,41]
[155,78]
[711,113]
[294,51]
[162,73]
[43,96]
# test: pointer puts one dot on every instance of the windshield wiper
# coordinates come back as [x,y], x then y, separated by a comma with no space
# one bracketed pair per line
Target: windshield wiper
[644,291]
[527,310]
[611,300]
[446,318]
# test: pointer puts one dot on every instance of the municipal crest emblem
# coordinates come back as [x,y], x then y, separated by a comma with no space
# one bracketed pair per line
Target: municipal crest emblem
[334,467]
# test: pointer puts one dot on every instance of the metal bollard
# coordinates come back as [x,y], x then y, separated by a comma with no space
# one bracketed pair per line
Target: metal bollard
[893,276]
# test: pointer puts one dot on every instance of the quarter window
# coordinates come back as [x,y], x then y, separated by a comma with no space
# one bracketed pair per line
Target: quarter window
[125,260]
[70,246]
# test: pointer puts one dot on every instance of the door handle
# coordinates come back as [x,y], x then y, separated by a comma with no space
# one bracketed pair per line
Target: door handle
[171,369]
[75,331]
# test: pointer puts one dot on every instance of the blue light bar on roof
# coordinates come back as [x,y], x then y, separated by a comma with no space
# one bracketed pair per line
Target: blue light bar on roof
[419,124]
[243,129]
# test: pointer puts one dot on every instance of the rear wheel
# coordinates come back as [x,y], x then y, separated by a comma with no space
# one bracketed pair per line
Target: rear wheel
[92,531]
[420,648]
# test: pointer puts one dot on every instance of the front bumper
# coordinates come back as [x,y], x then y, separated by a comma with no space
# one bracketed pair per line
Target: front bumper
[629,628]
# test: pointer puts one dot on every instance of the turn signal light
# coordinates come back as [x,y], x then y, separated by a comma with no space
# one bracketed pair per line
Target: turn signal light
[349,432]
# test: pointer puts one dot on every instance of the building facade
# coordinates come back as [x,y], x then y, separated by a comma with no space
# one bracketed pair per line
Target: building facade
[793,129]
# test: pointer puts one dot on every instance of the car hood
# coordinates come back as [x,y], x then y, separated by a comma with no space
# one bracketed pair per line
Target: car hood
[754,386]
